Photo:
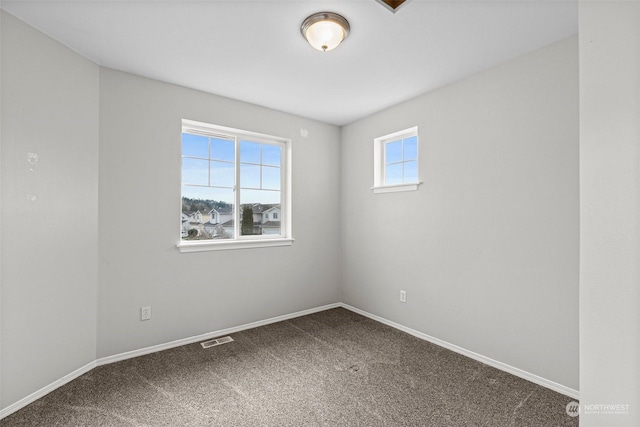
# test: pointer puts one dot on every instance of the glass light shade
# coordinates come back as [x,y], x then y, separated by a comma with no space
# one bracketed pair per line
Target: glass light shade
[325,35]
[325,30]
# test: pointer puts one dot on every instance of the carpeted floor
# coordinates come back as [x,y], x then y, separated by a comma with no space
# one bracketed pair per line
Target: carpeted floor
[334,368]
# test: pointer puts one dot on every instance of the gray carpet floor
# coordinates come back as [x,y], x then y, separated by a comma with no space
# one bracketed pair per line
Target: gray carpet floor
[333,368]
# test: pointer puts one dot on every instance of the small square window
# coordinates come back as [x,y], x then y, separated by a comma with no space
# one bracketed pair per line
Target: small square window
[396,162]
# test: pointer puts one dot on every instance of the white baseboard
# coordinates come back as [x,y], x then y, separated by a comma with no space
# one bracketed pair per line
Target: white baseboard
[209,335]
[46,390]
[147,350]
[575,394]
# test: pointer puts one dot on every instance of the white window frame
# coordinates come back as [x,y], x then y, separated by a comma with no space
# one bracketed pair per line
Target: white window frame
[379,162]
[253,241]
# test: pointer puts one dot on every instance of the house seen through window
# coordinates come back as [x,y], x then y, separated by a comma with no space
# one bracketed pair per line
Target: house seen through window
[233,184]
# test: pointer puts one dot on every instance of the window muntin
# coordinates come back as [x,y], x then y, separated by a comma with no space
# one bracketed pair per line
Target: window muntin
[229,178]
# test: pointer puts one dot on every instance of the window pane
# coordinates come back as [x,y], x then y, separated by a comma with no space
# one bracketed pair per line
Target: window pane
[249,176]
[411,148]
[271,155]
[411,171]
[195,171]
[270,178]
[207,213]
[222,174]
[393,174]
[249,152]
[223,149]
[195,145]
[393,152]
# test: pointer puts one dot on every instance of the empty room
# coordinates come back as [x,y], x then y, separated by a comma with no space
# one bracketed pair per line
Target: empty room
[320,213]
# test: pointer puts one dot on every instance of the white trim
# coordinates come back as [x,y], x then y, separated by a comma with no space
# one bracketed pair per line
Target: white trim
[409,131]
[160,347]
[286,213]
[575,394]
[46,390]
[153,349]
[222,245]
[209,335]
[395,188]
[208,129]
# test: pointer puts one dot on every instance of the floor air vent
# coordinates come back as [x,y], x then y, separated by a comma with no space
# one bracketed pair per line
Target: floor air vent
[217,341]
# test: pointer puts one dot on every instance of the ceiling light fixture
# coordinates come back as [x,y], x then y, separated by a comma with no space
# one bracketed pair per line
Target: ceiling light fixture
[325,30]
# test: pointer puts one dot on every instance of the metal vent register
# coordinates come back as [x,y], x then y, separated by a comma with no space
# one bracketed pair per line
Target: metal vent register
[215,342]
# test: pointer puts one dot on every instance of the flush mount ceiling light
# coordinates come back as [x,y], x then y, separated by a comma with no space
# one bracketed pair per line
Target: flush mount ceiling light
[325,30]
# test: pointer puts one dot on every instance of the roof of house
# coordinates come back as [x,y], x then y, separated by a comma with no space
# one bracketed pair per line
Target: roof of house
[272,208]
[190,215]
[259,207]
[223,210]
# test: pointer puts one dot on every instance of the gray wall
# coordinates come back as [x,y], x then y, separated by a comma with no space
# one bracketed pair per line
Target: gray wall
[194,293]
[49,244]
[610,210]
[487,248]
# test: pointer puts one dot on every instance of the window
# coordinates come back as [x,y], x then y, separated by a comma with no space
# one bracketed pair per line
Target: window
[231,179]
[396,162]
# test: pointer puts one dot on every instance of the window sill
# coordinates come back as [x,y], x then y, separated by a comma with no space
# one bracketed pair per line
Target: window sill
[395,188]
[202,246]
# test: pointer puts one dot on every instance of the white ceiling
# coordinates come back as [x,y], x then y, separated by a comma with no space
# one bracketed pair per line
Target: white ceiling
[253,50]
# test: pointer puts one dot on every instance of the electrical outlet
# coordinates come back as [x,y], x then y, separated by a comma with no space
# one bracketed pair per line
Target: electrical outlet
[403,296]
[145,313]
